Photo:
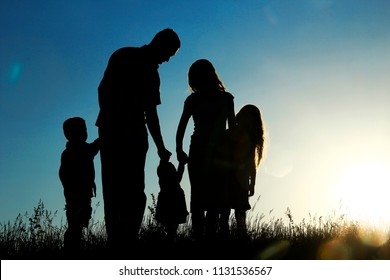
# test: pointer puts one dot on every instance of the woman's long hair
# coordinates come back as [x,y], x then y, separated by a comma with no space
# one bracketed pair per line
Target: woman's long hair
[250,118]
[202,76]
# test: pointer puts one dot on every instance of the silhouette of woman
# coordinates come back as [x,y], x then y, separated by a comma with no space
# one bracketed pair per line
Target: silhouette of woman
[210,107]
[246,145]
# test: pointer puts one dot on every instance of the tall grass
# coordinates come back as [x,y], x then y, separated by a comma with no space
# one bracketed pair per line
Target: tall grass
[40,236]
[37,235]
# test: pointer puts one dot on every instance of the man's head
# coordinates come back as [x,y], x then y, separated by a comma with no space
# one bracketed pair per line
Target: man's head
[165,44]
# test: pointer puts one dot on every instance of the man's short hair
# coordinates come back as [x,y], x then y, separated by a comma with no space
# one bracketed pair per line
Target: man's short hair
[167,38]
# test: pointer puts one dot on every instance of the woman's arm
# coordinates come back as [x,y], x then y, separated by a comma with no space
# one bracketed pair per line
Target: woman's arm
[231,116]
[185,117]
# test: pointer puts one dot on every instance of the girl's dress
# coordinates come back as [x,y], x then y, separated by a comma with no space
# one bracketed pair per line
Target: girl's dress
[209,111]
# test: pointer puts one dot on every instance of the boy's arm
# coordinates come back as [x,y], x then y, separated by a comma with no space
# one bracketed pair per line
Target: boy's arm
[95,147]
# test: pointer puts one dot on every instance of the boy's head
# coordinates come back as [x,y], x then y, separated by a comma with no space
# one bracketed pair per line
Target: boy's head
[75,130]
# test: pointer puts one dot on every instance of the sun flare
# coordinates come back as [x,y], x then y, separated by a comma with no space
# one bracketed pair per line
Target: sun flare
[364,190]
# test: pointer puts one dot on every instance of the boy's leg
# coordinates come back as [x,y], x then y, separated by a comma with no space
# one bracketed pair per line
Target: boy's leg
[86,214]
[73,234]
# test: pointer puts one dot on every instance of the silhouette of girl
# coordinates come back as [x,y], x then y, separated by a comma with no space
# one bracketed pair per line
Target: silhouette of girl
[246,152]
[210,107]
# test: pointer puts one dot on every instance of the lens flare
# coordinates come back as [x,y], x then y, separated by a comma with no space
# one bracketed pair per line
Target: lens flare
[372,236]
[15,72]
[275,251]
[334,250]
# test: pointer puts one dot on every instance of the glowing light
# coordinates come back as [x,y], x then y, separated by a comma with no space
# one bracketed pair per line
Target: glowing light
[364,190]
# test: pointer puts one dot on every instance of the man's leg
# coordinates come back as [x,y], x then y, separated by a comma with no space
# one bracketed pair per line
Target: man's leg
[123,159]
[133,196]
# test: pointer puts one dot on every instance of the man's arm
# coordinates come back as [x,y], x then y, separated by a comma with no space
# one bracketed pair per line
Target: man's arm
[153,123]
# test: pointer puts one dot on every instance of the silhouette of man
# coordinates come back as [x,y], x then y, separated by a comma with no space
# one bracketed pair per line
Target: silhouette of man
[128,97]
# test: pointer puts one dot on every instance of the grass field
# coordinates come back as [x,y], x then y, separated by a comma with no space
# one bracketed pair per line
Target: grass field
[37,236]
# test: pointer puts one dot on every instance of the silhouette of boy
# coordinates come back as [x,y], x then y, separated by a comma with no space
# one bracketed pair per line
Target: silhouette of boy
[77,175]
[171,209]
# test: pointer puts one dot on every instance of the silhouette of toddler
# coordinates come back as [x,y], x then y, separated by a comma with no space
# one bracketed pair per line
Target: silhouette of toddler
[171,209]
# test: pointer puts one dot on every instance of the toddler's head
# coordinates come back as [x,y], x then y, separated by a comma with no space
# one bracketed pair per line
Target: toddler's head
[167,173]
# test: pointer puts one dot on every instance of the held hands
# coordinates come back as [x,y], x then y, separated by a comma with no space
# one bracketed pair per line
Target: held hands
[164,154]
[182,156]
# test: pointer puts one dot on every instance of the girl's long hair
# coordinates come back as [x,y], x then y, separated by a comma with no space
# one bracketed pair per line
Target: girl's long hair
[250,118]
[203,76]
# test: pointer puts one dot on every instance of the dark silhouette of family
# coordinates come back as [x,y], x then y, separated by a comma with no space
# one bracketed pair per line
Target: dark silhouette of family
[224,153]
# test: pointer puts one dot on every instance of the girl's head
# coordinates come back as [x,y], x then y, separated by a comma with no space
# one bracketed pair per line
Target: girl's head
[202,76]
[249,118]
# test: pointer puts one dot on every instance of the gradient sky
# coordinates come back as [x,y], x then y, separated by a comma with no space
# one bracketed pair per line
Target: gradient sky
[318,69]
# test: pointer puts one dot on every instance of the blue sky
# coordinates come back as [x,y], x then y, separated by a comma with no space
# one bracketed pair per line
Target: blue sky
[319,71]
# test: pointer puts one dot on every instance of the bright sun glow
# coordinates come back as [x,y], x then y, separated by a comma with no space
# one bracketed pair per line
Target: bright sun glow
[364,190]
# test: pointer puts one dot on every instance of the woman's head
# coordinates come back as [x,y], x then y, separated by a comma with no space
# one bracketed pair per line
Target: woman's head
[202,76]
